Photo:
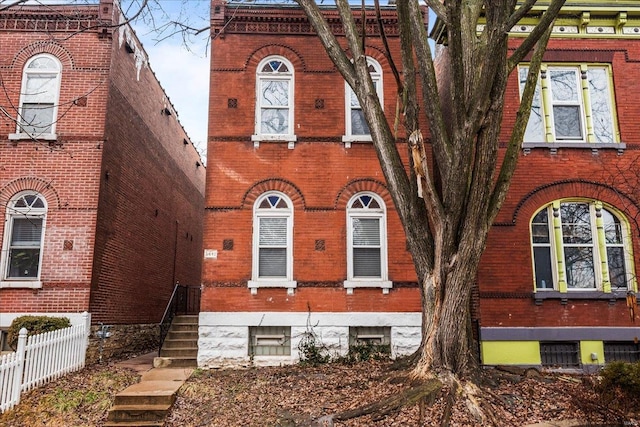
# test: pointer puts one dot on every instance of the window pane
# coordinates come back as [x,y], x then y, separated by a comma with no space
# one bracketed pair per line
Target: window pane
[358,123]
[617,272]
[275,93]
[564,85]
[535,126]
[43,63]
[275,121]
[273,232]
[612,228]
[566,119]
[600,95]
[542,261]
[272,262]
[579,267]
[366,232]
[26,232]
[366,262]
[540,227]
[41,88]
[576,223]
[36,118]
[23,263]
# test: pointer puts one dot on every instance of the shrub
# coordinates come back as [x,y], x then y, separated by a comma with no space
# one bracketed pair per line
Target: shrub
[365,351]
[623,377]
[312,352]
[35,325]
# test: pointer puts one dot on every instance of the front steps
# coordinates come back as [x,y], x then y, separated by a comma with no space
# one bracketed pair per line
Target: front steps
[147,403]
[180,347]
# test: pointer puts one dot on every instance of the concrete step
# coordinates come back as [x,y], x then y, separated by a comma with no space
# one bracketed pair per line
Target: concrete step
[177,327]
[182,335]
[179,352]
[175,362]
[151,391]
[133,424]
[138,412]
[186,318]
[180,343]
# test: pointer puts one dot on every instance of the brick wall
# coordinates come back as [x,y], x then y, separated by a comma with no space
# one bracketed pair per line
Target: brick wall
[149,233]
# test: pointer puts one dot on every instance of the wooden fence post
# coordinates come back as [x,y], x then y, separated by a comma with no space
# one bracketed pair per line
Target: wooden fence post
[20,353]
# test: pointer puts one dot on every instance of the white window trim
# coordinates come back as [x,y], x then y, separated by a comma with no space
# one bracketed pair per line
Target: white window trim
[368,282]
[290,136]
[272,282]
[13,282]
[49,136]
[348,137]
[558,252]
[579,103]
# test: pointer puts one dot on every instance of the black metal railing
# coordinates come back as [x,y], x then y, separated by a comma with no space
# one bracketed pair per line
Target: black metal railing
[184,300]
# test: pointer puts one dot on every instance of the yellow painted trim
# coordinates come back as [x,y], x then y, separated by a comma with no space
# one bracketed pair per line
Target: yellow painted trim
[587,348]
[586,99]
[557,236]
[602,249]
[510,352]
[547,105]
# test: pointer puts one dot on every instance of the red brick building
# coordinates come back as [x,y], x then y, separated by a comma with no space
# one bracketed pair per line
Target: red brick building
[300,232]
[300,229]
[101,190]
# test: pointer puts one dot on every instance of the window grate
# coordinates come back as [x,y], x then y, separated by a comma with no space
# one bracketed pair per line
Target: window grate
[621,351]
[560,354]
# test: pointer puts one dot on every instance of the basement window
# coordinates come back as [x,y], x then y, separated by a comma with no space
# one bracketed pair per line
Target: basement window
[270,341]
[560,354]
[625,351]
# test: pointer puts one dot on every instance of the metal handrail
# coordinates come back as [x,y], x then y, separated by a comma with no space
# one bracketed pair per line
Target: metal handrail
[184,299]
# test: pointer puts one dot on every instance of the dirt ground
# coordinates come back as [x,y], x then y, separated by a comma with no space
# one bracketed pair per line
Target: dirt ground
[293,395]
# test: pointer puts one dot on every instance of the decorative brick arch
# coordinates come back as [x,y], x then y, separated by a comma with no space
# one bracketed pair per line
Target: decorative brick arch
[274,184]
[285,51]
[32,184]
[358,185]
[578,188]
[43,46]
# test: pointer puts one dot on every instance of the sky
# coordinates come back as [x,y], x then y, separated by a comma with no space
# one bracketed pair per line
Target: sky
[180,61]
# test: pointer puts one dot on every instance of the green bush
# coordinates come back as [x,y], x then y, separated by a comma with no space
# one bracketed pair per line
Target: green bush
[623,377]
[35,325]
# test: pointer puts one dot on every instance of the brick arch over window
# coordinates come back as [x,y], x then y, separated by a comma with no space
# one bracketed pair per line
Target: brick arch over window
[287,52]
[375,53]
[52,48]
[30,183]
[578,188]
[274,184]
[359,185]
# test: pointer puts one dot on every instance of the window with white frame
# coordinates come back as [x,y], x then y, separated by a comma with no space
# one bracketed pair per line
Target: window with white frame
[366,242]
[356,126]
[23,239]
[37,113]
[580,245]
[572,103]
[272,242]
[274,100]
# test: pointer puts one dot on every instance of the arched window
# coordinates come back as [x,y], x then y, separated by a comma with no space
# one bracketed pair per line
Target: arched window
[274,101]
[23,239]
[272,242]
[580,245]
[366,242]
[39,97]
[356,127]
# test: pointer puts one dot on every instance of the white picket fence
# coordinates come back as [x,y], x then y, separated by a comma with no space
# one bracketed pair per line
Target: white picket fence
[40,359]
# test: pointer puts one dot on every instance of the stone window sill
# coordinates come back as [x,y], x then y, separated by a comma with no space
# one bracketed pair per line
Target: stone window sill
[554,146]
[17,284]
[253,285]
[289,139]
[26,136]
[350,285]
[564,297]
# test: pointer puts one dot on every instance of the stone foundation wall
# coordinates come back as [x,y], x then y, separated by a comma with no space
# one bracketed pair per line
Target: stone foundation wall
[123,340]
[224,337]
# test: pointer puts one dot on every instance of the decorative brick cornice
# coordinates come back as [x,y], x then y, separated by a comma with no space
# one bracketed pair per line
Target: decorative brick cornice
[290,19]
[57,18]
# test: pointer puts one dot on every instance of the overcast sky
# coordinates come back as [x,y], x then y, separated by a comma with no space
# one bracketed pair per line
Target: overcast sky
[180,62]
